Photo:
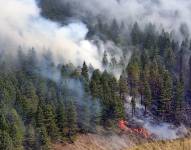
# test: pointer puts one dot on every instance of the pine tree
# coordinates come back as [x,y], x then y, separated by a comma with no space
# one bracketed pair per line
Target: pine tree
[133,106]
[95,115]
[169,58]
[85,72]
[166,95]
[39,117]
[136,34]
[85,77]
[3,123]
[83,116]
[61,118]
[123,88]
[147,96]
[16,130]
[133,71]
[71,120]
[95,84]
[50,122]
[30,138]
[178,99]
[5,141]
[163,42]
[42,139]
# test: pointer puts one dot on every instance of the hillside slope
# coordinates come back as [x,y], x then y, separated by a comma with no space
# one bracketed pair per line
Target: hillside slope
[101,142]
[180,144]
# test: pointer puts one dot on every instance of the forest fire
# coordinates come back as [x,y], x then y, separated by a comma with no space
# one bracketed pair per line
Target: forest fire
[123,125]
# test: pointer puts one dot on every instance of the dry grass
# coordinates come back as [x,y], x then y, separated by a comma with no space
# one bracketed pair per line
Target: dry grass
[98,142]
[181,144]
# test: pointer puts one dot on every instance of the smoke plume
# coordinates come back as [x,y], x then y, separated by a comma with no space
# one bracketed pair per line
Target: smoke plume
[22,25]
[173,15]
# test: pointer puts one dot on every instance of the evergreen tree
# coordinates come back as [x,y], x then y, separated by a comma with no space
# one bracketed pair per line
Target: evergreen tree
[16,130]
[95,84]
[163,42]
[133,71]
[95,115]
[5,141]
[85,72]
[39,117]
[85,77]
[136,34]
[3,123]
[178,99]
[84,116]
[42,139]
[147,96]
[169,58]
[166,95]
[133,105]
[71,120]
[123,88]
[50,122]
[61,118]
[30,138]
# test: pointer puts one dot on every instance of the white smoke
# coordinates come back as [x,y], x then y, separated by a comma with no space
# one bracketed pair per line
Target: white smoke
[166,131]
[22,25]
[171,14]
[161,130]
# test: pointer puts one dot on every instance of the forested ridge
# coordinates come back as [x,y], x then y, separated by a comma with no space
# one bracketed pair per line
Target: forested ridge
[37,109]
[42,102]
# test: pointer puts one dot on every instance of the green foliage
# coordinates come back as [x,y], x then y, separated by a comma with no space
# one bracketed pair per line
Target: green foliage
[42,139]
[5,141]
[166,95]
[133,71]
[136,34]
[95,84]
[147,96]
[123,87]
[50,122]
[36,109]
[85,72]
[61,119]
[71,117]
[178,99]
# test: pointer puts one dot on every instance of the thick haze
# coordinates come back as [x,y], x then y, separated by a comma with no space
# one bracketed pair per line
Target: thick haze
[22,25]
[170,14]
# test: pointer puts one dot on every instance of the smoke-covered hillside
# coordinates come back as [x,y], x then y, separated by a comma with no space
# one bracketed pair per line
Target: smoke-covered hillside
[116,69]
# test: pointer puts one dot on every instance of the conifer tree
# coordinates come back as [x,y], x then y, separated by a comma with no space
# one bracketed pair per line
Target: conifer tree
[50,122]
[5,141]
[39,117]
[71,119]
[61,118]
[136,34]
[42,139]
[178,99]
[95,84]
[147,96]
[123,88]
[85,72]
[166,95]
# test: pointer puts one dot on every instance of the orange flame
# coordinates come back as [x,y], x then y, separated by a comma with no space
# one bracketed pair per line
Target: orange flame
[142,131]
